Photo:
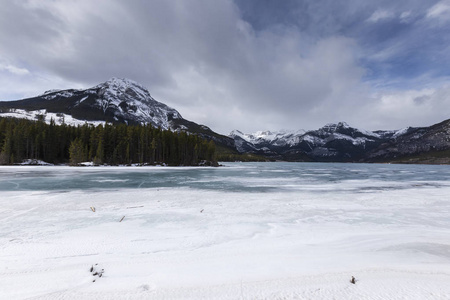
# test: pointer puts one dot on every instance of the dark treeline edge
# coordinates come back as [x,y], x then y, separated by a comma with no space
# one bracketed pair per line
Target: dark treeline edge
[22,139]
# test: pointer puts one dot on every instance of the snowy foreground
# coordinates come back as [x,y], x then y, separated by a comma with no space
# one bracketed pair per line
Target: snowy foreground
[246,231]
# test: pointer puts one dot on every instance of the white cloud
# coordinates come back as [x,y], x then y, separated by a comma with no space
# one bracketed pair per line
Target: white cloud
[405,17]
[441,11]
[379,15]
[397,109]
[14,70]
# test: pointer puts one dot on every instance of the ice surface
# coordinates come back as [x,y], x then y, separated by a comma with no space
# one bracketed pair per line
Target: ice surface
[243,231]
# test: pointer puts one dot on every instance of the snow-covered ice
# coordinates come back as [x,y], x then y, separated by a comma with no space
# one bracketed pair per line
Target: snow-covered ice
[243,231]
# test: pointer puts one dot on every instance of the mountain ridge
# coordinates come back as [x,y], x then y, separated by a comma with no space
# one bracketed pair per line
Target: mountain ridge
[339,142]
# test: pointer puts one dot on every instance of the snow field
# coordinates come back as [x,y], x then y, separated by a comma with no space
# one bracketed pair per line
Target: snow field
[190,244]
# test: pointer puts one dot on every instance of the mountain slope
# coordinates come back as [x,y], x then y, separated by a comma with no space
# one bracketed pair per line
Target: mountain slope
[416,145]
[115,101]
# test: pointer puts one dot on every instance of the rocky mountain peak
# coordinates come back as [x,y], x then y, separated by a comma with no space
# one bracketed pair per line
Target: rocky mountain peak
[117,87]
[336,126]
[128,100]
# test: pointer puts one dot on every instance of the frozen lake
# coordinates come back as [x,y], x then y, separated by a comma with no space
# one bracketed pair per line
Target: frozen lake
[242,231]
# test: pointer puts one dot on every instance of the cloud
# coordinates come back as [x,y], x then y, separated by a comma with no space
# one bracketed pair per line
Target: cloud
[413,107]
[228,64]
[275,82]
[393,109]
[406,16]
[13,69]
[440,11]
[379,15]
[200,58]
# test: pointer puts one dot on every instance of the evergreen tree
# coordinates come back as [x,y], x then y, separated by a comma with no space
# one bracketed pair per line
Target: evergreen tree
[112,144]
[77,152]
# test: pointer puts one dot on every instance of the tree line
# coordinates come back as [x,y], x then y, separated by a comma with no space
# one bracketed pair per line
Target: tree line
[116,144]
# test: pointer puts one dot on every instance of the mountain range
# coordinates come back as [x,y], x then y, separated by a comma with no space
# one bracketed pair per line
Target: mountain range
[125,101]
[343,143]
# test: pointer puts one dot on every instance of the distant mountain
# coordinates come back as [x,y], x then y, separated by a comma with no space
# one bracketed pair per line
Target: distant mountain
[264,142]
[115,101]
[343,143]
[416,145]
[333,142]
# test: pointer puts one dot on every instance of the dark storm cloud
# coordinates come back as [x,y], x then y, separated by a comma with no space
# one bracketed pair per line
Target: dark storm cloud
[250,64]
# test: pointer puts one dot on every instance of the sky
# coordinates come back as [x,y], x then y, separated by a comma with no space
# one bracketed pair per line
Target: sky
[241,64]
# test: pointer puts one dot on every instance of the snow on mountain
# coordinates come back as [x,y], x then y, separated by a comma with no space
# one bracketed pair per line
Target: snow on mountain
[129,99]
[50,95]
[401,132]
[116,100]
[50,92]
[344,128]
[332,140]
[340,142]
[280,138]
[354,141]
[331,131]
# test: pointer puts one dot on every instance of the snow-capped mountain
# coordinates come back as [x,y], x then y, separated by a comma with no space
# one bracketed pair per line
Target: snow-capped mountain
[279,138]
[265,140]
[115,101]
[332,142]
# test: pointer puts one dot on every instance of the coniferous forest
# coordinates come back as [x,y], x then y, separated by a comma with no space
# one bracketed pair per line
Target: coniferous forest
[105,144]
